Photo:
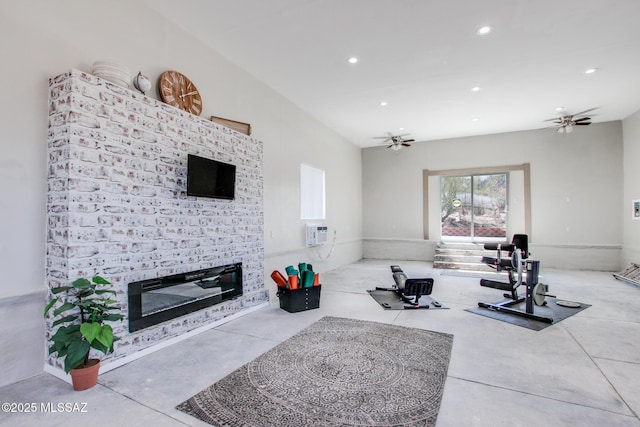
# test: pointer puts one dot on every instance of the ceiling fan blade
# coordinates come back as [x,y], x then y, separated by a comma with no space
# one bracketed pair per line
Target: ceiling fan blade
[582,123]
[585,111]
[406,145]
[396,140]
[581,119]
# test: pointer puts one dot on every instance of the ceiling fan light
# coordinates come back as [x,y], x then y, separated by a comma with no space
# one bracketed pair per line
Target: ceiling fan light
[569,129]
[396,147]
[561,129]
[484,30]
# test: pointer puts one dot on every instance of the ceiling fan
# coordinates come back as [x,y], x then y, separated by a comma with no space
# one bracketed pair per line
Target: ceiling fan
[565,124]
[397,141]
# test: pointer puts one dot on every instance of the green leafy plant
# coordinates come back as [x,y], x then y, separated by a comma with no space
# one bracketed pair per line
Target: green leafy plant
[82,315]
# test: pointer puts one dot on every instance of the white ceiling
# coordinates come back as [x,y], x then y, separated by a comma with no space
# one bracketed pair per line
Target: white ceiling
[423,57]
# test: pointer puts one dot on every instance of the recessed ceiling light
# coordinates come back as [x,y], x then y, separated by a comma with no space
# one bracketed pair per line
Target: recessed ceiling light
[484,30]
[590,71]
[383,104]
[475,89]
[352,60]
[400,128]
[475,119]
[559,109]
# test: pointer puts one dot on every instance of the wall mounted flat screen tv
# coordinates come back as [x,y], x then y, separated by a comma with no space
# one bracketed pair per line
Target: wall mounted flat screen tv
[210,178]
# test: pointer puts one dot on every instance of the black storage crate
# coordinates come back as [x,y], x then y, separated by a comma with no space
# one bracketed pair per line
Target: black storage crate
[294,300]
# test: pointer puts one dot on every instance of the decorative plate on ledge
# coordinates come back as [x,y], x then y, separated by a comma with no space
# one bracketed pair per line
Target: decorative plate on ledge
[113,72]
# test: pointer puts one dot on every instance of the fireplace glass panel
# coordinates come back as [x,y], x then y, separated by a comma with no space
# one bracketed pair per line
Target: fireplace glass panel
[157,300]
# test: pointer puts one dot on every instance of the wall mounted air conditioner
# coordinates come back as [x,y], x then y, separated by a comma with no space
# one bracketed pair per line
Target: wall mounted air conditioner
[316,234]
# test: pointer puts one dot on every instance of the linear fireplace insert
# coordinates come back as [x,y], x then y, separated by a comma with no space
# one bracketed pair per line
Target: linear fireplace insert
[157,300]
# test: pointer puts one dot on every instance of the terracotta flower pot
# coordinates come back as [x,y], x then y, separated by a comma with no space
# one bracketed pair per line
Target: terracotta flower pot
[86,377]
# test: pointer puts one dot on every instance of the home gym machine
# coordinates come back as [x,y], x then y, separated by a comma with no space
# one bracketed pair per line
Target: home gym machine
[515,266]
[410,290]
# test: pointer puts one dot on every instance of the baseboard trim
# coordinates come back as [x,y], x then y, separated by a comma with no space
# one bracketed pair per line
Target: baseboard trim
[12,300]
[304,249]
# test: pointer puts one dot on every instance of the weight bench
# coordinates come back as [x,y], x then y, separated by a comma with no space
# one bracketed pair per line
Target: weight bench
[410,290]
[519,246]
[515,266]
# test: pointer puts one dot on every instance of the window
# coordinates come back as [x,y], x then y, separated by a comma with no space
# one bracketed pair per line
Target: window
[473,206]
[312,193]
[518,197]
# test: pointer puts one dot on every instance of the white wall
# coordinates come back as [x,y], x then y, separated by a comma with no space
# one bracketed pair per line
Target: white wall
[576,189]
[631,135]
[42,39]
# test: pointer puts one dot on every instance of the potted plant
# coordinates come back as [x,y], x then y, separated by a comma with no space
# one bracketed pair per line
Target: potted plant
[81,317]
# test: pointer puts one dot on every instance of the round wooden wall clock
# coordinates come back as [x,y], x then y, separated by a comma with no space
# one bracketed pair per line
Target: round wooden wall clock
[177,90]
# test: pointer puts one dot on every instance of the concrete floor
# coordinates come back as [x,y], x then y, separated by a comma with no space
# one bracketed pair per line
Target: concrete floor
[583,371]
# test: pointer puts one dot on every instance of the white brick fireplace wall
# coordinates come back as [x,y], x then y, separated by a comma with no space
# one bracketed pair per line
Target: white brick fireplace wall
[117,203]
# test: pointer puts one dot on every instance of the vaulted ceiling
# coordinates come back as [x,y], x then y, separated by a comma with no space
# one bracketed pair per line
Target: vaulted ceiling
[423,58]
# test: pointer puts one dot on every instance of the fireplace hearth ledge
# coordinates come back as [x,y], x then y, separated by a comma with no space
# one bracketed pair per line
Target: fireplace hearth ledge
[111,365]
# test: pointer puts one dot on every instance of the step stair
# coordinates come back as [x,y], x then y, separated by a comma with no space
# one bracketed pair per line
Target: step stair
[461,256]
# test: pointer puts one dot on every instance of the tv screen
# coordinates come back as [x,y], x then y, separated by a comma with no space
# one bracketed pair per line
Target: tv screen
[210,178]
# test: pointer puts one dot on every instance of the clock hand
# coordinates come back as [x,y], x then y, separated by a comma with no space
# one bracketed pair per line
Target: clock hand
[188,94]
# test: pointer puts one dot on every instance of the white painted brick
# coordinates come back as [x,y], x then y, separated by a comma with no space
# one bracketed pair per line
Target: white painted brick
[117,203]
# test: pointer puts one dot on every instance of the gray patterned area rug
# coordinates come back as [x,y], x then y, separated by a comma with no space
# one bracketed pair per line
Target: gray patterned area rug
[336,372]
